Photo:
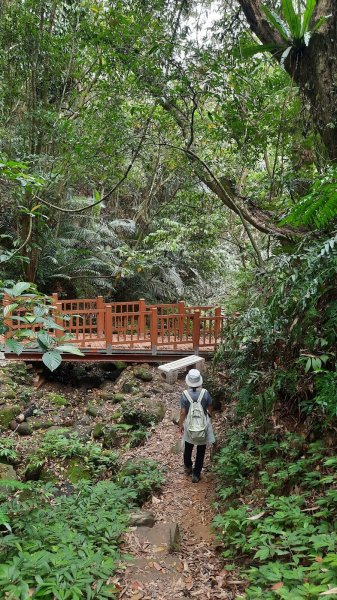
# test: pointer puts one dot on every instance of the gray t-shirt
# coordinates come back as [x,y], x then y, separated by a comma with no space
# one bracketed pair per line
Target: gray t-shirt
[205,402]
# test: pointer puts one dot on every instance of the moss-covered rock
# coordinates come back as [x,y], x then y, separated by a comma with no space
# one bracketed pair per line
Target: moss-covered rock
[128,387]
[19,372]
[142,411]
[120,365]
[40,424]
[143,374]
[7,414]
[24,429]
[76,471]
[92,410]
[57,399]
[110,437]
[98,431]
[7,473]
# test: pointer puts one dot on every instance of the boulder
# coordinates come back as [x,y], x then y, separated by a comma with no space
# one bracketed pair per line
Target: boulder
[19,372]
[141,518]
[83,432]
[7,473]
[24,429]
[143,374]
[142,411]
[7,414]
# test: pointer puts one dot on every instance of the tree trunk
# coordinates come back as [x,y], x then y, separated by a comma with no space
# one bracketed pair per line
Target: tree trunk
[314,70]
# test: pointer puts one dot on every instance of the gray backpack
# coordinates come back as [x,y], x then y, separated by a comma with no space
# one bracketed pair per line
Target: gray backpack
[196,421]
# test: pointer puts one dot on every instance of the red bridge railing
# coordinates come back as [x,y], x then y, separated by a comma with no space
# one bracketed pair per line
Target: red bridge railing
[96,325]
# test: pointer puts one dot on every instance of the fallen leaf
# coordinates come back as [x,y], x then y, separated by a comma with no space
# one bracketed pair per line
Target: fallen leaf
[157,566]
[318,559]
[256,517]
[155,500]
[333,591]
[277,586]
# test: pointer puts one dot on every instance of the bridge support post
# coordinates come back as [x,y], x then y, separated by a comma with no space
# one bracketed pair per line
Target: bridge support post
[108,328]
[141,318]
[154,330]
[217,324]
[100,315]
[181,316]
[196,332]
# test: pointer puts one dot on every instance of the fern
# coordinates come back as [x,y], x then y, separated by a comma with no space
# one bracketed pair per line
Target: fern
[319,207]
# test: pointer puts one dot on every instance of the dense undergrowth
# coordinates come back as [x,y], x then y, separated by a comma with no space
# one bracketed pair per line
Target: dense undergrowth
[277,498]
[59,546]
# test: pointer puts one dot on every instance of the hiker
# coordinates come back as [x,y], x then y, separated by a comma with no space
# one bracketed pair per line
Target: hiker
[194,423]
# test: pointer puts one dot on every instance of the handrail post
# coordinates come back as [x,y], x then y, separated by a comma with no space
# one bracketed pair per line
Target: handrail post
[100,315]
[59,319]
[181,316]
[196,332]
[108,328]
[217,325]
[141,318]
[154,330]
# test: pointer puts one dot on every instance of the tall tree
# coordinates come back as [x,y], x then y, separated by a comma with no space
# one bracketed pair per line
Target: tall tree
[312,67]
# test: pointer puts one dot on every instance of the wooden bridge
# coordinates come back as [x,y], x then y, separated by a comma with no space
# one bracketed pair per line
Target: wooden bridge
[132,331]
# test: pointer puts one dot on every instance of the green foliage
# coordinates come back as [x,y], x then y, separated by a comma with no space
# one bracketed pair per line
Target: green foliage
[143,476]
[7,450]
[65,550]
[31,316]
[318,208]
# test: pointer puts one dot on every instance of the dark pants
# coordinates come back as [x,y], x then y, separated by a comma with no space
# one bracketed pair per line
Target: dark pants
[199,461]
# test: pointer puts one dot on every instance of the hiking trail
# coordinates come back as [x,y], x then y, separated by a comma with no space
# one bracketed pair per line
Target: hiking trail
[165,565]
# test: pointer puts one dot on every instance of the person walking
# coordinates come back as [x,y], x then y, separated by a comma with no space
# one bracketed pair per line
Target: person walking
[195,423]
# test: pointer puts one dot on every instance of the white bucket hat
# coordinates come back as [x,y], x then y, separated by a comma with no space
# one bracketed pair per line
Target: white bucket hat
[193,378]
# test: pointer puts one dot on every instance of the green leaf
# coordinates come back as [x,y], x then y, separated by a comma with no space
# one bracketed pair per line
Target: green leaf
[69,348]
[9,308]
[309,9]
[293,20]
[20,287]
[13,345]
[320,22]
[52,360]
[248,51]
[275,20]
[308,365]
[45,340]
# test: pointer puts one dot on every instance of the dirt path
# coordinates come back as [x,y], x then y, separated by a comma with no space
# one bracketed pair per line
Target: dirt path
[194,570]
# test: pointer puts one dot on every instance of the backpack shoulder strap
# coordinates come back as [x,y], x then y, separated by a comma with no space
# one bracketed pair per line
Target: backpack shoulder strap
[186,394]
[201,395]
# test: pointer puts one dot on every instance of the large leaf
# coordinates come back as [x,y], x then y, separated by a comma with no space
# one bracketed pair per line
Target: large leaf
[9,308]
[52,360]
[13,345]
[248,51]
[293,20]
[69,348]
[18,289]
[45,340]
[275,20]
[309,9]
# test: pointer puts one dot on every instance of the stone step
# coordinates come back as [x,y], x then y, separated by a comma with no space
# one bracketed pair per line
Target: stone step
[161,534]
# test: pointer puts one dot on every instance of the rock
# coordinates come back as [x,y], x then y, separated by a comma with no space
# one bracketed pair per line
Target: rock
[160,534]
[33,473]
[20,418]
[141,518]
[143,374]
[36,424]
[98,431]
[19,372]
[110,396]
[7,414]
[24,429]
[6,473]
[110,438]
[77,471]
[128,387]
[120,365]
[92,411]
[167,388]
[142,411]
[83,432]
[57,399]
[147,395]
